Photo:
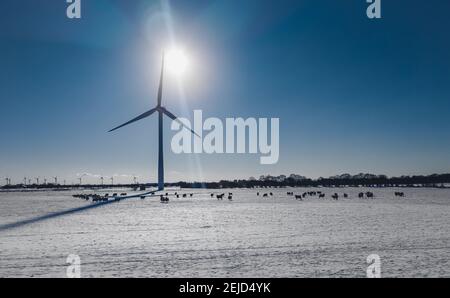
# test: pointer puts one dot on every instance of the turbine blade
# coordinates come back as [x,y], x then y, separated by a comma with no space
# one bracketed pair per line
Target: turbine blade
[161,79]
[146,114]
[175,118]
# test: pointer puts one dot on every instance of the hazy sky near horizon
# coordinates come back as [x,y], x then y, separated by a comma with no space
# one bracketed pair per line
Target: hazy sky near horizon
[352,94]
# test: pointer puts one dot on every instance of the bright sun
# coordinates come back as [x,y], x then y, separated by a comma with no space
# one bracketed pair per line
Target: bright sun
[176,61]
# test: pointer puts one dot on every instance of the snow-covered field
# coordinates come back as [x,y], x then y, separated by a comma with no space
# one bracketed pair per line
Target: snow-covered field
[250,236]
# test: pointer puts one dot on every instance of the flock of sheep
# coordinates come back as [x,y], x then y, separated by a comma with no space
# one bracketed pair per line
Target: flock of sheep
[98,198]
[335,196]
[222,195]
[165,198]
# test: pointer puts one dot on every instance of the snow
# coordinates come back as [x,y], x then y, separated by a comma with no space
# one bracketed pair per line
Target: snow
[250,236]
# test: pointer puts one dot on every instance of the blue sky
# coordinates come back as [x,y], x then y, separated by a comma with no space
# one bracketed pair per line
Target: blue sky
[352,94]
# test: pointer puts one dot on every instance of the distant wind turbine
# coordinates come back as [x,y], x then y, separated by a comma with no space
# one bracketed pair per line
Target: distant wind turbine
[161,111]
[81,177]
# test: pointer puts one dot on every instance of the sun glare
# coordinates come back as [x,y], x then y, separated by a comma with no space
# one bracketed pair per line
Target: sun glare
[176,61]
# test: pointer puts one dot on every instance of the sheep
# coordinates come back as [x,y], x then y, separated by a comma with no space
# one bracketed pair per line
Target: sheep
[369,194]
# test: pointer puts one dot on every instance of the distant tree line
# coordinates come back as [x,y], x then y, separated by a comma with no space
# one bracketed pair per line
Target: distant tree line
[436,180]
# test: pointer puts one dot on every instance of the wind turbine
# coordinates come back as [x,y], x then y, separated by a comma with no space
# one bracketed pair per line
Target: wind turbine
[161,111]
